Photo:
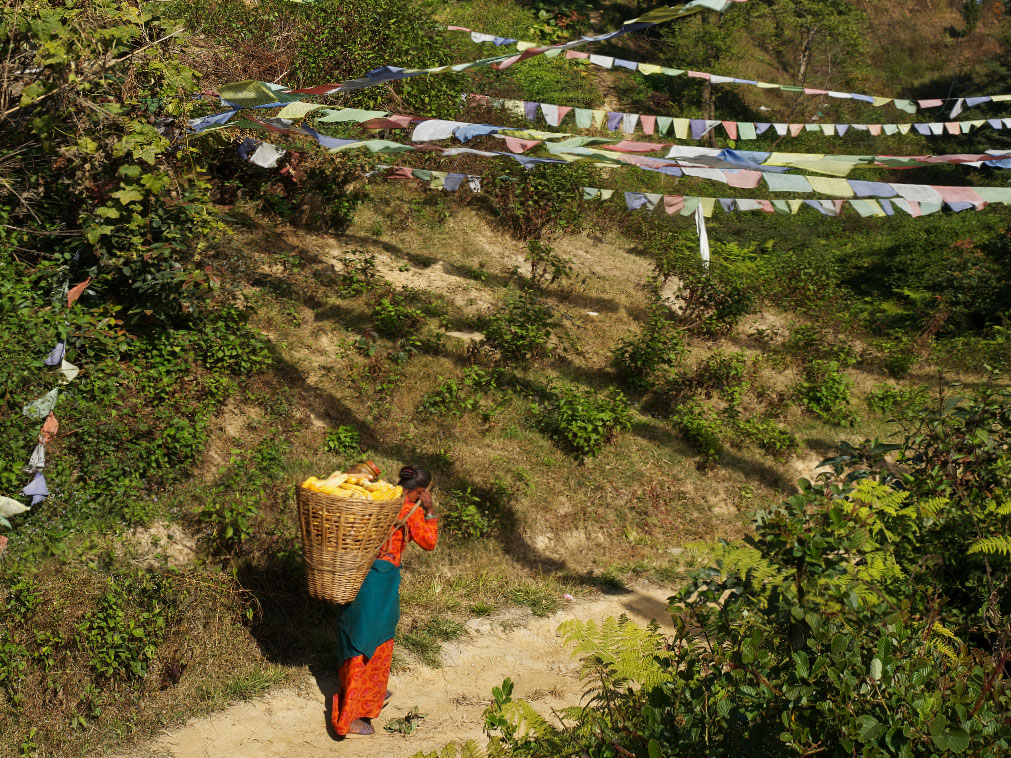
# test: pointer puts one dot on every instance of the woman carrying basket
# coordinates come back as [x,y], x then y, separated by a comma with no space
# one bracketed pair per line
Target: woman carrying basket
[366,627]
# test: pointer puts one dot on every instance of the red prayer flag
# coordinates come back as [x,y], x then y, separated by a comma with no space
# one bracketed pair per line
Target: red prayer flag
[517,145]
[49,429]
[77,291]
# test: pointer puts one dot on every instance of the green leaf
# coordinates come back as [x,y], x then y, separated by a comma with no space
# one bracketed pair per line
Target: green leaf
[958,740]
[130,170]
[803,663]
[870,729]
[127,195]
[876,669]
[839,644]
[938,732]
[654,749]
[32,92]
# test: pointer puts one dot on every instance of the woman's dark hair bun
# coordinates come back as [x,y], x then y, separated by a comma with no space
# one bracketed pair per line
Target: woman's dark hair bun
[413,477]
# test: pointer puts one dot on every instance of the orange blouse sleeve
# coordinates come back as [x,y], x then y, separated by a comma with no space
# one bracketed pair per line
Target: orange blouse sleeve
[423,531]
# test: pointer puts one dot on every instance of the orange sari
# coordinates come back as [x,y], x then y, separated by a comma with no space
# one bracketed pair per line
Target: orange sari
[363,681]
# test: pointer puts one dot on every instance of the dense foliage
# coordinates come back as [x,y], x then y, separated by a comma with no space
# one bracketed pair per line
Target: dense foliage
[867,616]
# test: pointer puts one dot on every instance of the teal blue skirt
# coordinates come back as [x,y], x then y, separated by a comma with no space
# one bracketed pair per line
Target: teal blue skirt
[372,617]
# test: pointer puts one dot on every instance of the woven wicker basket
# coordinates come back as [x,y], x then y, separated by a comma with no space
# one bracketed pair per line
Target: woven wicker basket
[340,540]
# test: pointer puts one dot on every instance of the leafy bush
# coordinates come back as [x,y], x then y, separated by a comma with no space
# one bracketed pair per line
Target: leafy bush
[809,342]
[344,440]
[449,398]
[885,398]
[898,357]
[722,373]
[233,503]
[768,435]
[455,397]
[358,274]
[546,266]
[701,428]
[122,643]
[533,202]
[317,190]
[466,514]
[227,343]
[520,330]
[230,517]
[397,316]
[825,392]
[582,420]
[868,615]
[712,301]
[641,358]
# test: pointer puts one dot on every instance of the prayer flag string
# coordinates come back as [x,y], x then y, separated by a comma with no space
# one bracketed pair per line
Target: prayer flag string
[648,69]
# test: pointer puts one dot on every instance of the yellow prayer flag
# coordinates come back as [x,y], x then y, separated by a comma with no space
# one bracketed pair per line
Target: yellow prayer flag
[298,110]
[830,186]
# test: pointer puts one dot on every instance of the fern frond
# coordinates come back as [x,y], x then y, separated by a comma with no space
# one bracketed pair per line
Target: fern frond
[930,508]
[627,651]
[944,631]
[944,641]
[1004,509]
[992,546]
[943,648]
[879,496]
[528,722]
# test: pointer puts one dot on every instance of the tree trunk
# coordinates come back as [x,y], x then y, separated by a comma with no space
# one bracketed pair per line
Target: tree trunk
[805,56]
[709,109]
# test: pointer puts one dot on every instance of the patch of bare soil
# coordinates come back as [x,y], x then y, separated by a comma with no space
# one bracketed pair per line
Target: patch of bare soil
[292,723]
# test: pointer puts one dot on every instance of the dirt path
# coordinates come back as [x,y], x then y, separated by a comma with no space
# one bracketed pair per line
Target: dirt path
[291,722]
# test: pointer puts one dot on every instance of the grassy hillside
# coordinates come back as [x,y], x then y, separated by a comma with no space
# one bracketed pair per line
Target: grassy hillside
[590,399]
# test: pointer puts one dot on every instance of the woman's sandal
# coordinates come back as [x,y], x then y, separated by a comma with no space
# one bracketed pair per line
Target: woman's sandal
[359,728]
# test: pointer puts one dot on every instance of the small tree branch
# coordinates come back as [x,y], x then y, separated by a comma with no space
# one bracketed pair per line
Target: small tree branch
[108,65]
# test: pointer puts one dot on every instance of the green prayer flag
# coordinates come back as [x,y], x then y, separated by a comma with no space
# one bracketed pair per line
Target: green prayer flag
[42,407]
[351,114]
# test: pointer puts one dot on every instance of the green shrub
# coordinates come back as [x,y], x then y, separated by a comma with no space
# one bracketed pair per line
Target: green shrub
[121,634]
[520,330]
[449,398]
[713,301]
[809,342]
[897,357]
[533,202]
[230,518]
[581,420]
[464,513]
[825,392]
[700,427]
[358,274]
[227,343]
[396,316]
[885,398]
[344,440]
[546,266]
[723,373]
[768,435]
[867,615]
[640,358]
